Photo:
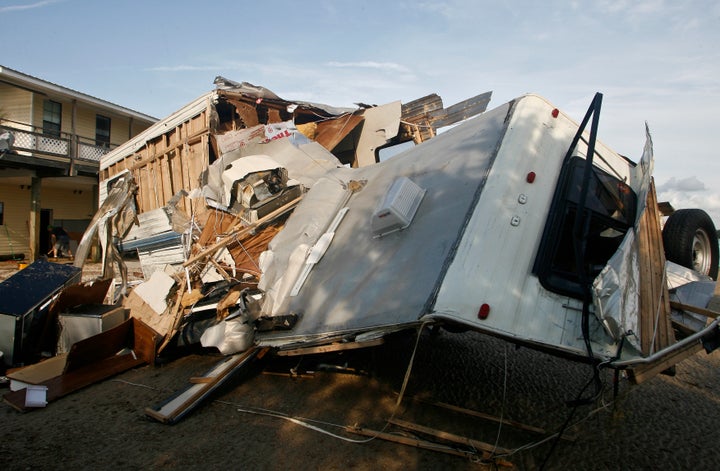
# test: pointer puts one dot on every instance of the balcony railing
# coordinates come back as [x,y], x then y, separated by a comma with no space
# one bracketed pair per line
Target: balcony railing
[31,139]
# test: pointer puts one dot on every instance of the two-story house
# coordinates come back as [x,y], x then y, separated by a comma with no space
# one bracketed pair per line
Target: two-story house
[51,141]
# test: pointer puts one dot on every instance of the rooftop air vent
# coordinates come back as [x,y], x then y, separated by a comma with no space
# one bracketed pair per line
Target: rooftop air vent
[398,207]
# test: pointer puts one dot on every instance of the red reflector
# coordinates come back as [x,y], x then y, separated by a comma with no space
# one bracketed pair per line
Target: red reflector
[484,311]
[555,113]
[530,177]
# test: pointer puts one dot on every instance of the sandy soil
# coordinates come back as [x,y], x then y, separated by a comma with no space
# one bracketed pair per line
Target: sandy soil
[667,422]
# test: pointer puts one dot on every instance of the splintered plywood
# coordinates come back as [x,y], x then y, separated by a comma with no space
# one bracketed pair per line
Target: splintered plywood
[151,303]
[245,250]
[655,324]
[331,132]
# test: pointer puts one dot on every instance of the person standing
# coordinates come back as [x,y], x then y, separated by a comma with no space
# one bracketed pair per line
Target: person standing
[60,241]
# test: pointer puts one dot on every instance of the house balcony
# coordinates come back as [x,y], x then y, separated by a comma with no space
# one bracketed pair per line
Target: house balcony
[66,154]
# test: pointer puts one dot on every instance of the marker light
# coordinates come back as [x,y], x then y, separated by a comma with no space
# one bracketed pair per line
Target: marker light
[484,311]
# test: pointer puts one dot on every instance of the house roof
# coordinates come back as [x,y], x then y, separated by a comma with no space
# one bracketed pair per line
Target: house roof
[43,86]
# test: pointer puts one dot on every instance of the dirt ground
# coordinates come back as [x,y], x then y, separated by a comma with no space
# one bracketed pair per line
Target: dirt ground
[270,417]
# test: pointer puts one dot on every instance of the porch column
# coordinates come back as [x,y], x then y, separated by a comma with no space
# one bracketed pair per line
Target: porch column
[34,226]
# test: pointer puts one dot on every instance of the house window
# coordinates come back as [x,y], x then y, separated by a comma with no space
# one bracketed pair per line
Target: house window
[52,118]
[610,206]
[102,131]
[2,213]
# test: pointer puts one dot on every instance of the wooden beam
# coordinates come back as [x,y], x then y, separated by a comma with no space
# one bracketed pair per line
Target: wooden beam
[239,231]
[180,404]
[426,445]
[151,156]
[451,437]
[34,219]
[695,309]
[492,418]
[248,114]
[333,347]
[654,323]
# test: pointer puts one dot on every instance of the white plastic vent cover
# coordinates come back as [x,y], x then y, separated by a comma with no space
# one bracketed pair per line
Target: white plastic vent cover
[398,207]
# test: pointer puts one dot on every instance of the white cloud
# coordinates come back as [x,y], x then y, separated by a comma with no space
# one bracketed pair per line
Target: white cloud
[182,68]
[30,6]
[689,184]
[710,203]
[385,66]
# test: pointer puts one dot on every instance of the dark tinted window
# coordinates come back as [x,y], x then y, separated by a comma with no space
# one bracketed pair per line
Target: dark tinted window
[102,131]
[611,206]
[52,118]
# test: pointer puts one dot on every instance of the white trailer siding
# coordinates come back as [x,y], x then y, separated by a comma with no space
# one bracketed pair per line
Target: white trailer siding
[495,259]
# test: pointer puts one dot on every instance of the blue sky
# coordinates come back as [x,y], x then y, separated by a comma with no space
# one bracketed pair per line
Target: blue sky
[653,60]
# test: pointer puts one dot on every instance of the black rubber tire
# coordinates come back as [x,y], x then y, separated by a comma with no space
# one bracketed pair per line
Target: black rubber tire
[691,240]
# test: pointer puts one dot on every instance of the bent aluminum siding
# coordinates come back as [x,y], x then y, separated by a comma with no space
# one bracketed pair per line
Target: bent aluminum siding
[362,282]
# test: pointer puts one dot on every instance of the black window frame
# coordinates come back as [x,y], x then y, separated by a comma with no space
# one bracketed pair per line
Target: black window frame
[102,134]
[566,260]
[52,117]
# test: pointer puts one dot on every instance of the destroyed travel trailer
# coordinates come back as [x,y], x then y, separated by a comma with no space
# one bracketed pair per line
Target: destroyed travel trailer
[270,226]
[518,223]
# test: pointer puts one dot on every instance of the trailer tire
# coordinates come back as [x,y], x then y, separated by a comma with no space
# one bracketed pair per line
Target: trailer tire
[690,240]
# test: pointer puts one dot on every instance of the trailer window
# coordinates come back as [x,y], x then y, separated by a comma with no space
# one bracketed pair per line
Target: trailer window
[611,207]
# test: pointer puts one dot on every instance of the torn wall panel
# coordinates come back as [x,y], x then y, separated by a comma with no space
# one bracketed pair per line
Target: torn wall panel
[175,153]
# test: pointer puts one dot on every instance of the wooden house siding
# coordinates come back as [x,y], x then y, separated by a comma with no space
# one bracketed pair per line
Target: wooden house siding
[14,235]
[37,112]
[70,208]
[68,204]
[67,165]
[15,103]
[85,125]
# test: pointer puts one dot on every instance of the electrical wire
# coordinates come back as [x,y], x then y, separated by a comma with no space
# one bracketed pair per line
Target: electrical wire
[504,399]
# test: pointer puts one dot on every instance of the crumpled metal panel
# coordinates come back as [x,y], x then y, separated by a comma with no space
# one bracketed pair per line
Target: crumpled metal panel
[616,291]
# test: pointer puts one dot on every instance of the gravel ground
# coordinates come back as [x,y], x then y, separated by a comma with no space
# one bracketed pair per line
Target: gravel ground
[665,423]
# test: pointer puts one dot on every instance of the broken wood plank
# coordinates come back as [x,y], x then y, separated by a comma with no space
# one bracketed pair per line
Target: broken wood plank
[492,418]
[200,379]
[308,374]
[240,231]
[177,315]
[451,437]
[334,347]
[655,327]
[697,310]
[460,111]
[179,405]
[426,445]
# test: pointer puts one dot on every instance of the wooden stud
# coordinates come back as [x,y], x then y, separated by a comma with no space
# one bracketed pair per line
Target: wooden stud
[451,437]
[654,323]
